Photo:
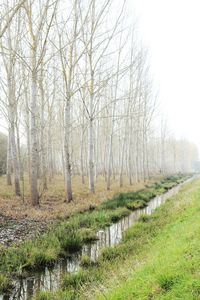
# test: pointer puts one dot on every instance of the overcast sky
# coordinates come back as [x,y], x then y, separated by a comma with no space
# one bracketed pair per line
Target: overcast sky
[171,31]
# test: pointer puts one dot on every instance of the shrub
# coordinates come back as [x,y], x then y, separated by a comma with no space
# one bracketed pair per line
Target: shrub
[74,280]
[67,295]
[195,287]
[88,235]
[160,191]
[136,204]
[45,296]
[86,262]
[42,258]
[92,207]
[144,218]
[110,253]
[146,195]
[169,185]
[118,214]
[5,283]
[119,200]
[69,238]
[71,243]
[84,220]
[166,281]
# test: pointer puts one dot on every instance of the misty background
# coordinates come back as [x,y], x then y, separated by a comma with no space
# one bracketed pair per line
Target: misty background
[170,31]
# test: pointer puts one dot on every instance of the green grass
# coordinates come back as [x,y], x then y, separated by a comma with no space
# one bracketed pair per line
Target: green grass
[69,235]
[159,257]
[169,267]
[124,199]
[136,204]
[85,261]
[68,295]
[5,283]
[74,280]
[88,235]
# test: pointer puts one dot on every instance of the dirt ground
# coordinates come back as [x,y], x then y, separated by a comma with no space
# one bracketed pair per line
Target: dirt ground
[20,221]
[52,202]
[15,231]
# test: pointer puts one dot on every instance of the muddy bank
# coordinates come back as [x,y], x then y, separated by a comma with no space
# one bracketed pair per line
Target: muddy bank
[14,231]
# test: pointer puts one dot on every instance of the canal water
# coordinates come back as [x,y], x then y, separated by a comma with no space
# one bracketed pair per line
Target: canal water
[50,278]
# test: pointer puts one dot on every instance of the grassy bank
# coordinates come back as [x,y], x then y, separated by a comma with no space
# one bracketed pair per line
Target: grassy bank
[158,258]
[166,266]
[69,235]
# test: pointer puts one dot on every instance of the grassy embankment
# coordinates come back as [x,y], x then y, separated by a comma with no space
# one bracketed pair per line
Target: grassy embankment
[166,265]
[159,258]
[69,235]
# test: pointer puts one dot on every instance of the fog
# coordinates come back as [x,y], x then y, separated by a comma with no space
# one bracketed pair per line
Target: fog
[96,89]
[170,30]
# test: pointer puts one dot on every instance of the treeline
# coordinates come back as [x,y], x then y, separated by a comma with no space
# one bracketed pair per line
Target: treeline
[77,91]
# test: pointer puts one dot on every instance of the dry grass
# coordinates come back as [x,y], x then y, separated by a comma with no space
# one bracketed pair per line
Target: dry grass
[52,201]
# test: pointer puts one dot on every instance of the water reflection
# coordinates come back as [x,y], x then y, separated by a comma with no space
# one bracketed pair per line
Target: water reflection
[50,279]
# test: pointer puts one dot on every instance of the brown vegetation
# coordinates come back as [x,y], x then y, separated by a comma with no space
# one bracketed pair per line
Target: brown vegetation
[52,205]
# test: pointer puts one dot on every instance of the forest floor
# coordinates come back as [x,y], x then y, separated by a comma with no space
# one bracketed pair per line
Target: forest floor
[20,221]
[14,231]
[52,201]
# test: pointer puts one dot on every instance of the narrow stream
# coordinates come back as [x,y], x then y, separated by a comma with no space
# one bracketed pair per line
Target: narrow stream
[50,278]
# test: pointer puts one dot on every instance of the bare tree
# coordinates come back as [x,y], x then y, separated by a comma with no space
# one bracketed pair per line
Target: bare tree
[37,55]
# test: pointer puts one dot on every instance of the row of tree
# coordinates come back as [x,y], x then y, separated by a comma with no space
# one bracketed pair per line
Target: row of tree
[76,90]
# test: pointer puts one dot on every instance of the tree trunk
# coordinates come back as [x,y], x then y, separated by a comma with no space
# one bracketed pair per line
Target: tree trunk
[34,140]
[69,196]
[9,161]
[81,156]
[12,112]
[15,161]
[19,154]
[91,156]
[42,136]
[91,133]
[28,137]
[130,149]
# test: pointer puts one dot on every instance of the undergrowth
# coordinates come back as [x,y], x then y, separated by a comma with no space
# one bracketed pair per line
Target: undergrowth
[149,262]
[68,236]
